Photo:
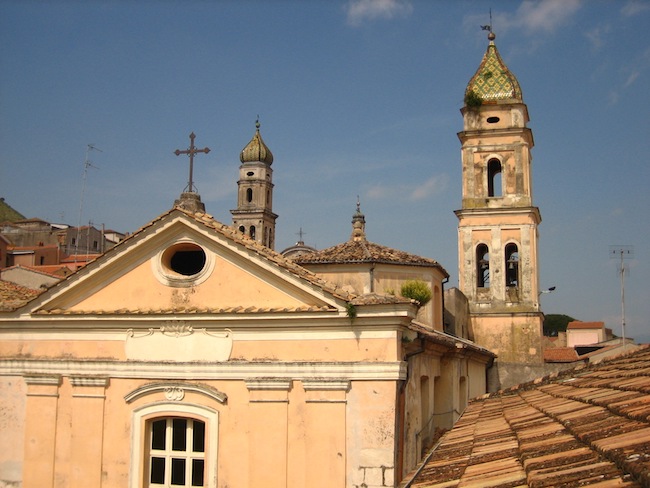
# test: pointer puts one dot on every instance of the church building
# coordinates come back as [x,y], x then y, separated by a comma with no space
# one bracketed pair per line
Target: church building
[192,354]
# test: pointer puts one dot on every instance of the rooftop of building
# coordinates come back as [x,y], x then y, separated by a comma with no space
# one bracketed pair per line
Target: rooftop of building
[358,250]
[576,324]
[13,296]
[588,426]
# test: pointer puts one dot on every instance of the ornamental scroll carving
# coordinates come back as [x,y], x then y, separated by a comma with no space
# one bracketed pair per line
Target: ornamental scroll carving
[178,341]
[174,393]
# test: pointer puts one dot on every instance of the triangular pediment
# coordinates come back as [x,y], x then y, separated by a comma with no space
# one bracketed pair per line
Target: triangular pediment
[186,263]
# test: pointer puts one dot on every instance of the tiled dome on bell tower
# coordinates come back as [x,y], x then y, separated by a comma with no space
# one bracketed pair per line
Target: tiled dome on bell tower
[493,80]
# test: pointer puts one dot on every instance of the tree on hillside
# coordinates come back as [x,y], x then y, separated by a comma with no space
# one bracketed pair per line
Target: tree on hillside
[554,323]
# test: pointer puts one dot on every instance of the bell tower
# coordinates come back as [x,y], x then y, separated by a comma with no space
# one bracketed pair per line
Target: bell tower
[497,224]
[254,215]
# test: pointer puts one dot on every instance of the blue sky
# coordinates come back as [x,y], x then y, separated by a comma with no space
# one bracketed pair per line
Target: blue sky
[357,97]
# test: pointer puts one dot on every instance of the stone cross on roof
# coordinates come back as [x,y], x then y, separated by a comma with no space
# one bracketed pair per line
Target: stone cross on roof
[191,151]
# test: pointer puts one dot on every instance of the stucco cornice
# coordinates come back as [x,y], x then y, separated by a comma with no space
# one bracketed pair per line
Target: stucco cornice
[499,211]
[227,370]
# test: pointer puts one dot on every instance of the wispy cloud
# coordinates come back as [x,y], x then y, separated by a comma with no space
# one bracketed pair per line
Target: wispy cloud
[532,17]
[410,192]
[631,79]
[634,7]
[546,15]
[359,11]
[596,36]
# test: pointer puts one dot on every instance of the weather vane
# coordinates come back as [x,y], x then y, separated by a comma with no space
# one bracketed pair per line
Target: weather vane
[489,26]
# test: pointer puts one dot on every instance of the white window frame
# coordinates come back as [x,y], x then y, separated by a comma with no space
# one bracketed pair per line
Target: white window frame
[140,440]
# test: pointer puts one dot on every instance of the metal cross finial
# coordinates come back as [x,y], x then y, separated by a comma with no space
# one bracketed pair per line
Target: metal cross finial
[191,151]
[300,233]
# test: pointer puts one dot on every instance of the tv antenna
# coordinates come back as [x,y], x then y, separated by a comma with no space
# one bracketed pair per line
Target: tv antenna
[622,253]
[87,164]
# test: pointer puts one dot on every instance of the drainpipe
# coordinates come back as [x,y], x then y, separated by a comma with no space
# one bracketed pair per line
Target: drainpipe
[446,280]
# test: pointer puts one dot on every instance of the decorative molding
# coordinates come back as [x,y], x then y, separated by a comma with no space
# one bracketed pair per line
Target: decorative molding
[267,384]
[175,391]
[321,384]
[176,328]
[89,381]
[36,379]
[229,370]
[160,344]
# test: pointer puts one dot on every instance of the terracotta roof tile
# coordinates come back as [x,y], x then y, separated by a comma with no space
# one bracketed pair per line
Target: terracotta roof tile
[363,251]
[586,427]
[560,355]
[13,296]
[576,324]
[187,310]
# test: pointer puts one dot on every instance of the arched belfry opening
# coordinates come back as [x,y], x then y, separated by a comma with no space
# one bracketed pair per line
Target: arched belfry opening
[254,215]
[494,178]
[512,265]
[482,266]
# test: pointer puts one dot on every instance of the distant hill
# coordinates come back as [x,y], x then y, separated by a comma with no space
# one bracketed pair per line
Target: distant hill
[8,214]
[554,323]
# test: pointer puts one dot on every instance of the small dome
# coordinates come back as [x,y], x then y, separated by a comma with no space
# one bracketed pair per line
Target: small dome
[493,80]
[256,151]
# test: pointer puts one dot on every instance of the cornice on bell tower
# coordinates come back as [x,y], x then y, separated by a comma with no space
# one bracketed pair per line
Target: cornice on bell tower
[254,215]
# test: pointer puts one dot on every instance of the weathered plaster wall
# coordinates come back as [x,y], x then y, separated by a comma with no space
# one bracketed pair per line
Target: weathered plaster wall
[12,424]
[513,338]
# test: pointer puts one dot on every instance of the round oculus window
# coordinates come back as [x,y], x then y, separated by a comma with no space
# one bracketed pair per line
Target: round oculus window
[183,264]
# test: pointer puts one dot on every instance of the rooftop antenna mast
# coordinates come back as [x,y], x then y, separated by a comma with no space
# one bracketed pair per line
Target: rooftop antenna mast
[622,253]
[87,164]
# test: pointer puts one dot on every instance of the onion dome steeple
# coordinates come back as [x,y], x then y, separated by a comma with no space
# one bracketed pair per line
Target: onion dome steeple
[493,81]
[254,215]
[358,224]
[256,150]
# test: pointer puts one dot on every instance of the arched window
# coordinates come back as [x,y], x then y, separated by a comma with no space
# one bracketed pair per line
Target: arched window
[242,229]
[173,444]
[251,232]
[512,265]
[483,266]
[494,178]
[249,195]
[176,452]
